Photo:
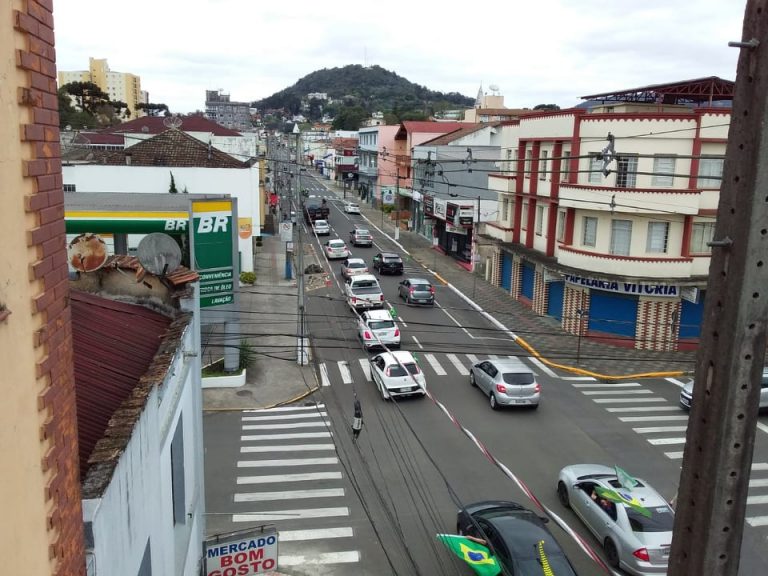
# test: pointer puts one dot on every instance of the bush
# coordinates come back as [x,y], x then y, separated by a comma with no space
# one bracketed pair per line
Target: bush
[247,355]
[247,277]
[387,208]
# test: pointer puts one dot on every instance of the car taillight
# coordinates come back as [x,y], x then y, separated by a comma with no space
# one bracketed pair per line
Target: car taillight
[642,554]
[354,300]
[537,389]
[367,335]
[397,332]
[501,388]
[381,297]
[388,371]
[410,290]
[432,289]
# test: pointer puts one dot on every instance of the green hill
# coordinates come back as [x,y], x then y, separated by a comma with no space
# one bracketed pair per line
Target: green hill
[372,88]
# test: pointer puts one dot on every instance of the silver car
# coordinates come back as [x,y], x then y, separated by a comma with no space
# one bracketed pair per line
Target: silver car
[417,291]
[686,394]
[377,328]
[636,542]
[507,382]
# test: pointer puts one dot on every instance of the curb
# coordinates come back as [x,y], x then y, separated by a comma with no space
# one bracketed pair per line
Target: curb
[275,405]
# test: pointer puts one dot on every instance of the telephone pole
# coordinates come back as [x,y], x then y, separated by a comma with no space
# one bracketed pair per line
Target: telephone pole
[709,522]
[302,356]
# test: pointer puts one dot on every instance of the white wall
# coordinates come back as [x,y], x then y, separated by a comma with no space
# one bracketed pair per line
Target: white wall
[240,183]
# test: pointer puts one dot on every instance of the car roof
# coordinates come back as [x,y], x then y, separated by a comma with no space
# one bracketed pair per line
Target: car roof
[418,281]
[363,230]
[401,355]
[510,364]
[321,222]
[336,241]
[377,315]
[390,255]
[606,476]
[364,277]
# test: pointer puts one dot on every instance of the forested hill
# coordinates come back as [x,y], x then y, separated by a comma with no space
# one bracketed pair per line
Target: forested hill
[373,88]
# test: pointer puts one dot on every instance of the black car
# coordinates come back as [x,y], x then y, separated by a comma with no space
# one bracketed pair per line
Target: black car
[388,263]
[513,534]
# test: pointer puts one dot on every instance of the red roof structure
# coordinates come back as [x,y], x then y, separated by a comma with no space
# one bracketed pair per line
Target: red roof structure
[157,125]
[465,130]
[418,126]
[698,90]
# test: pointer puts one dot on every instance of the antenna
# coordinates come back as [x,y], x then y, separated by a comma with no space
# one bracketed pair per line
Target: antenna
[494,88]
[87,252]
[159,254]
[172,122]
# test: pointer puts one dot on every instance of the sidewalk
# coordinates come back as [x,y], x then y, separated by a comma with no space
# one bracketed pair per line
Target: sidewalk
[542,332]
[268,324]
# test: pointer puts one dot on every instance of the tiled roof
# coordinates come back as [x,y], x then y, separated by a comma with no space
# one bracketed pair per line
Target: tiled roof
[456,134]
[156,125]
[172,148]
[115,344]
[99,138]
[415,126]
[182,275]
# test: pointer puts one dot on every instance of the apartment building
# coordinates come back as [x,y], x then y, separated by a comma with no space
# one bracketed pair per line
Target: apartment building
[119,86]
[228,113]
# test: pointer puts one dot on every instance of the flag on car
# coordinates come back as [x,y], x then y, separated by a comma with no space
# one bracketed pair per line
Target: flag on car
[625,479]
[476,555]
[621,498]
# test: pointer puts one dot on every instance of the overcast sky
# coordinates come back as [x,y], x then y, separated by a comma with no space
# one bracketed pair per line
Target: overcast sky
[544,51]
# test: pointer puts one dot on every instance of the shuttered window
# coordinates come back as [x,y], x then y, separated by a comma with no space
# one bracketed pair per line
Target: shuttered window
[621,237]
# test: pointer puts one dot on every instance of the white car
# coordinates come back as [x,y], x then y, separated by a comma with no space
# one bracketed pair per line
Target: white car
[377,328]
[352,208]
[353,267]
[335,249]
[322,228]
[397,374]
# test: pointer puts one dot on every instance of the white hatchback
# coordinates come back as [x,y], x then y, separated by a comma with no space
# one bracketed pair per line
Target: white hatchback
[321,227]
[335,249]
[397,374]
[377,329]
[352,208]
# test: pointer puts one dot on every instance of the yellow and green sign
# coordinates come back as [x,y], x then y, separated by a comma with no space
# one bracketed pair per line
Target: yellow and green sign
[213,248]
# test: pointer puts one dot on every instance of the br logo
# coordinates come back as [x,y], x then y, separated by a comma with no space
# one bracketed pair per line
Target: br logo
[210,224]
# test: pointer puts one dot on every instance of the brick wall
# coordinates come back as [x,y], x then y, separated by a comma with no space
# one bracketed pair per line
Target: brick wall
[658,323]
[517,280]
[496,268]
[573,300]
[539,304]
[49,271]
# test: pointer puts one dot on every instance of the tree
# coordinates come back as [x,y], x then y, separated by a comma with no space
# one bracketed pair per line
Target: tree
[153,109]
[315,109]
[172,188]
[69,116]
[87,94]
[349,118]
[546,107]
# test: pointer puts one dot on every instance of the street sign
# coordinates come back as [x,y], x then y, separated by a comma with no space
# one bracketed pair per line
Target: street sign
[212,232]
[241,553]
[286,231]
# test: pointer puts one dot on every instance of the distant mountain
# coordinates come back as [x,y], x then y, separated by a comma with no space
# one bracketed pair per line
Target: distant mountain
[372,88]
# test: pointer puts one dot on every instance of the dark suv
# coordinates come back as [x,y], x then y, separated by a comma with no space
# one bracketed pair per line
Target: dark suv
[388,263]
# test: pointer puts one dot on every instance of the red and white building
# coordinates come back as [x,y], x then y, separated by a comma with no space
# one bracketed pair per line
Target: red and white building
[617,249]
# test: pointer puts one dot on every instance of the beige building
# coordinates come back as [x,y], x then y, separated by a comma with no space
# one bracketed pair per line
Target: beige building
[41,530]
[120,86]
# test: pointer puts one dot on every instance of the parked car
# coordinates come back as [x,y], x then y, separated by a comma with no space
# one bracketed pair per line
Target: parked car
[363,291]
[377,328]
[360,237]
[335,249]
[322,228]
[636,542]
[352,208]
[686,394]
[514,533]
[397,374]
[507,382]
[353,266]
[417,291]
[388,263]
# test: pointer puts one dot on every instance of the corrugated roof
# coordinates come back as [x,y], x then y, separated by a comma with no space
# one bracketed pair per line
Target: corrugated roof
[436,127]
[156,125]
[456,134]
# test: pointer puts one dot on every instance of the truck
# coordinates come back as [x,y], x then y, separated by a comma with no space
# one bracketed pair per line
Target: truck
[315,209]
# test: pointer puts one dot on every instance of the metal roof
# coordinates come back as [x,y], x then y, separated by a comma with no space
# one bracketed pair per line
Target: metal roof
[698,90]
[133,201]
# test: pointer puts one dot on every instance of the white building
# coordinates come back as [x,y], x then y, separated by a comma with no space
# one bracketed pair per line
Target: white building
[623,254]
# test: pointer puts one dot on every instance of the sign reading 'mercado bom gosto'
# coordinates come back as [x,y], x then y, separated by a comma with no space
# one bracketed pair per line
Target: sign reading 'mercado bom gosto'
[212,248]
[241,553]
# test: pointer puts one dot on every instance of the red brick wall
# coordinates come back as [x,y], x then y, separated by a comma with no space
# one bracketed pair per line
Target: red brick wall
[657,324]
[57,403]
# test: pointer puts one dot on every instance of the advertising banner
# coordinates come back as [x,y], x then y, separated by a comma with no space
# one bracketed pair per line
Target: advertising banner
[241,553]
[661,290]
[212,251]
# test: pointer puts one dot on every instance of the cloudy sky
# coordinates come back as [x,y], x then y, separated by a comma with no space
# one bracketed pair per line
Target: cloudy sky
[543,51]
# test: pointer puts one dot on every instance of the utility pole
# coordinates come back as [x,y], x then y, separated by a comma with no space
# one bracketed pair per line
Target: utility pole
[709,521]
[302,357]
[397,204]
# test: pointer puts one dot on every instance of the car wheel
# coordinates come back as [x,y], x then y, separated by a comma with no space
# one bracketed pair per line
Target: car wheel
[494,403]
[472,379]
[562,495]
[611,553]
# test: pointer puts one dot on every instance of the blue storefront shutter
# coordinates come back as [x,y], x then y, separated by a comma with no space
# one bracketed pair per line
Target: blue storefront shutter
[529,272]
[691,316]
[555,299]
[612,313]
[506,271]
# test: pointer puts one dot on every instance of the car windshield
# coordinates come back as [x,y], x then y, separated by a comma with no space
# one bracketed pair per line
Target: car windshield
[336,245]
[356,265]
[397,370]
[518,378]
[363,233]
[321,223]
[381,324]
[392,259]
[661,520]
[373,289]
[420,287]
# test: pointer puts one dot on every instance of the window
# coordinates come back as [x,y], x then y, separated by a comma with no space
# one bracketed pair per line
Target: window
[590,231]
[508,165]
[626,176]
[621,237]
[658,234]
[702,233]
[539,219]
[528,159]
[561,226]
[595,168]
[543,165]
[177,474]
[70,188]
[663,170]
[524,217]
[505,209]
[710,172]
[565,166]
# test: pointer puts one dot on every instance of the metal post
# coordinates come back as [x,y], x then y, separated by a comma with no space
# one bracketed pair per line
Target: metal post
[302,356]
[709,521]
[397,204]
[580,314]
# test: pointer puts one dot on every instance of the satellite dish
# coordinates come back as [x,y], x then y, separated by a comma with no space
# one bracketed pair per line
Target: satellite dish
[159,254]
[173,122]
[87,252]
[494,87]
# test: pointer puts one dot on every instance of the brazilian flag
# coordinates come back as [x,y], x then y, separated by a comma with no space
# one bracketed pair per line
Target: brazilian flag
[476,555]
[622,498]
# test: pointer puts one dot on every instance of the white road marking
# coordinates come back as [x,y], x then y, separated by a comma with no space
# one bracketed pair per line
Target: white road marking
[653,418]
[759,466]
[365,364]
[615,392]
[757,499]
[325,381]
[457,364]
[286,409]
[626,400]
[417,342]
[455,321]
[323,558]
[284,417]
[644,409]
[544,368]
[676,382]
[279,478]
[578,378]
[660,429]
[619,385]
[289,495]
[435,365]
[294,436]
[291,514]
[673,455]
[286,462]
[666,441]
[493,356]
[346,376]
[286,448]
[324,424]
[762,427]
[757,520]
[472,358]
[758,483]
[319,534]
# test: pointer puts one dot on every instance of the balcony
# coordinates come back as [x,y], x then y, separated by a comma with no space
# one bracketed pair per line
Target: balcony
[631,200]
[496,231]
[661,268]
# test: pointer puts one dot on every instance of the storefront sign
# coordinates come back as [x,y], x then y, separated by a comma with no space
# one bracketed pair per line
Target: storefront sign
[388,197]
[661,290]
[690,293]
[212,251]
[136,222]
[455,229]
[441,207]
[466,215]
[429,205]
[242,555]
[451,212]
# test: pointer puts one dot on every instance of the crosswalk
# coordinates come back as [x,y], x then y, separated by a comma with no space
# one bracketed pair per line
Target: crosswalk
[289,476]
[664,424]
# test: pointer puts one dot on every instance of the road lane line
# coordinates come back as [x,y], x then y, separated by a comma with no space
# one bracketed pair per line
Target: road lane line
[579,378]
[365,364]
[653,418]
[289,495]
[296,436]
[756,521]
[644,409]
[666,441]
[457,364]
[759,466]
[346,376]
[284,417]
[615,392]
[674,455]
[286,462]
[323,558]
[286,448]
[323,424]
[762,427]
[676,382]
[472,358]
[618,385]
[291,514]
[493,356]
[660,429]
[417,342]
[543,367]
[435,365]
[317,534]
[626,400]
[324,375]
[285,409]
[758,483]
[455,321]
[279,478]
